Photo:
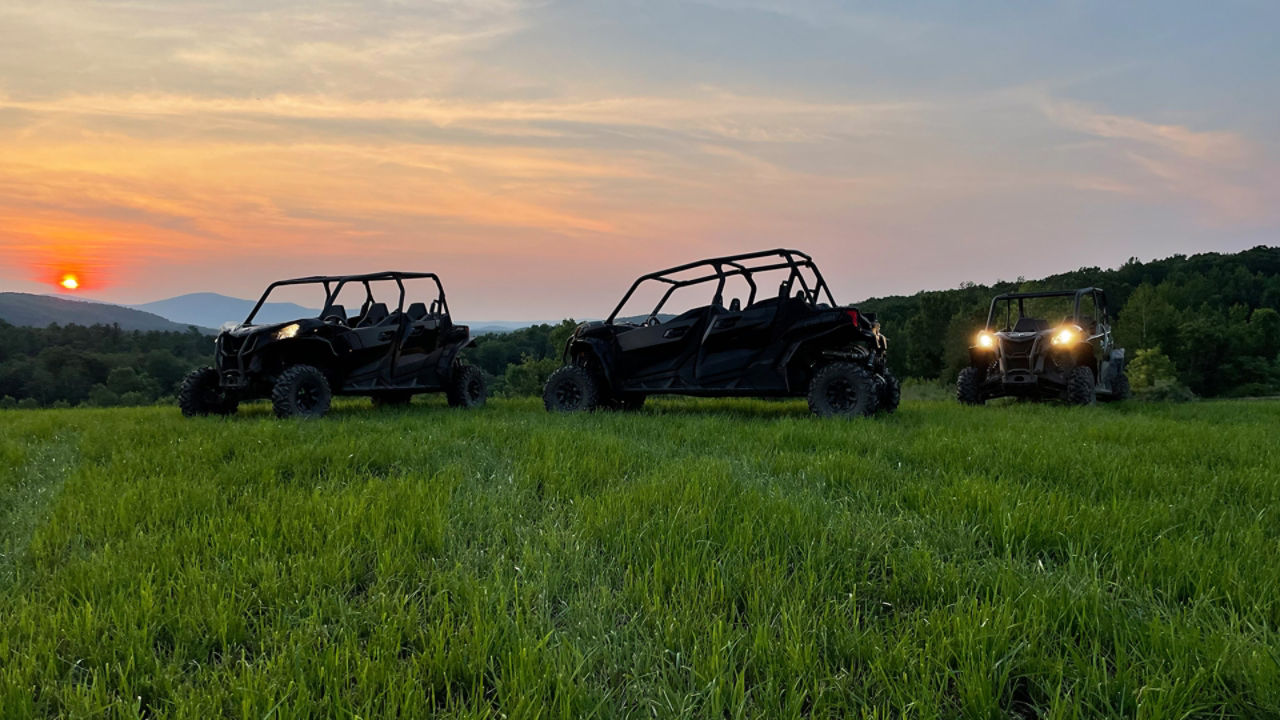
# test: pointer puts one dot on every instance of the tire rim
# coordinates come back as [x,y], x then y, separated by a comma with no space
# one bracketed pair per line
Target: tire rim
[474,390]
[307,397]
[568,394]
[842,396]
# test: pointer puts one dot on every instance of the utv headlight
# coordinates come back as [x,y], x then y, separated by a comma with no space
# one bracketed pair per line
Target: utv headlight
[1065,336]
[287,331]
[985,340]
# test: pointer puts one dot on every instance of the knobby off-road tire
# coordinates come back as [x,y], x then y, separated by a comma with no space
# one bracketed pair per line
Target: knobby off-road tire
[1081,389]
[969,386]
[571,389]
[392,399]
[890,392]
[201,394]
[1120,389]
[466,387]
[301,391]
[843,389]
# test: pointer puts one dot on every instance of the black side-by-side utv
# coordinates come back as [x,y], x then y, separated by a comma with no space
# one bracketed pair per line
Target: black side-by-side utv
[386,354]
[1021,353]
[737,338]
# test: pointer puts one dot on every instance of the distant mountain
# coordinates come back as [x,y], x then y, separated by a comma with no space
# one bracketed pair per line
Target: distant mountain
[44,310]
[208,309]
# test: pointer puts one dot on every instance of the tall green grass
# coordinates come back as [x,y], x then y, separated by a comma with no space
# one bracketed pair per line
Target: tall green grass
[697,559]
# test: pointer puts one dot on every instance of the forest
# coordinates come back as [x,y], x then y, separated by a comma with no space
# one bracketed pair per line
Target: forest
[1206,325]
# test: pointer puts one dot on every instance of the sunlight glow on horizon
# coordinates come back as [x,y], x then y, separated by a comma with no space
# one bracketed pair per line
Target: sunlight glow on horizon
[515,146]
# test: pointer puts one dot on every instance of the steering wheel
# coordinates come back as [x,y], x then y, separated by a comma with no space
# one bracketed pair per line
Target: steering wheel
[651,321]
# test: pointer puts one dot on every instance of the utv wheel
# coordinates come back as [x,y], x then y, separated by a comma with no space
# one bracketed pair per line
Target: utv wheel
[571,389]
[1080,386]
[890,392]
[201,394]
[1120,389]
[466,387]
[969,386]
[398,399]
[842,388]
[301,391]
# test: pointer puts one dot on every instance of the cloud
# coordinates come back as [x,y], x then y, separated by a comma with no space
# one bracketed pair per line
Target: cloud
[1221,170]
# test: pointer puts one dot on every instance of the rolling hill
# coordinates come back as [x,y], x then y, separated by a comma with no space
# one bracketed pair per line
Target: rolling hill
[29,310]
[207,309]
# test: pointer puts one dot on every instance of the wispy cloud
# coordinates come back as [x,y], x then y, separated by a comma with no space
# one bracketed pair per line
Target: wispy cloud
[1221,170]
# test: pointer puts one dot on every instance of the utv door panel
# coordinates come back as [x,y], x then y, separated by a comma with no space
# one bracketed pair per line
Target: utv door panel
[732,343]
[418,353]
[655,355]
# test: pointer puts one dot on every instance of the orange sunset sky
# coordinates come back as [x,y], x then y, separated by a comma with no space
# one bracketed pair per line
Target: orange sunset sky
[539,155]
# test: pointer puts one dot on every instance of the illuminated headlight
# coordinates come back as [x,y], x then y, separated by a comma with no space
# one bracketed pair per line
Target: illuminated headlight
[985,340]
[1065,336]
[287,331]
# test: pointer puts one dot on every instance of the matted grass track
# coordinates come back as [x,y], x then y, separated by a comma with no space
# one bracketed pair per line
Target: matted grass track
[697,559]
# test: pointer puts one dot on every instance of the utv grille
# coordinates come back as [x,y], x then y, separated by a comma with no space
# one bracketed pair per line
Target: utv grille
[1016,353]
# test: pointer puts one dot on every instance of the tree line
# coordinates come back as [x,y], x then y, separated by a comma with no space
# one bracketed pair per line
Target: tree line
[1207,325]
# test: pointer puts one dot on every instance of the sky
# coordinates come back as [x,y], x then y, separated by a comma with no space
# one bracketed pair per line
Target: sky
[540,154]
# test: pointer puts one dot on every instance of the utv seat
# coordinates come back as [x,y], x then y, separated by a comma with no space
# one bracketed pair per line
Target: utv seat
[336,313]
[377,313]
[416,311]
[1030,325]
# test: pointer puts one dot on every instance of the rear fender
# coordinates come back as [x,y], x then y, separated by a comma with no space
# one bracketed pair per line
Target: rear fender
[802,355]
[451,352]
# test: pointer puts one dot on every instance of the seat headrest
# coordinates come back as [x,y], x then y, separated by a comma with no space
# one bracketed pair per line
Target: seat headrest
[377,313]
[416,311]
[1027,324]
[335,312]
[735,305]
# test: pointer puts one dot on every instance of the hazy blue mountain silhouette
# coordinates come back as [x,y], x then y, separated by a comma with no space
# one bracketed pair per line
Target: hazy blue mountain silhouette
[30,310]
[209,309]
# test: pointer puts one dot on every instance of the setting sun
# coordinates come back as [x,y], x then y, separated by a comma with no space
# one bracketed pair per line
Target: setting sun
[70,282]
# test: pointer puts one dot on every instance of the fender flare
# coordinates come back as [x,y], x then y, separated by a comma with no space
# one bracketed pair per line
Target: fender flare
[447,358]
[595,349]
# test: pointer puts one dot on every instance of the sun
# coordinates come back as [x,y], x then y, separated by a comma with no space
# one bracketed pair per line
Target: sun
[69,281]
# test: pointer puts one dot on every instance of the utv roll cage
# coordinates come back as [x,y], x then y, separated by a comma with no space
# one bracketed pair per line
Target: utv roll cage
[720,269]
[1099,300]
[331,290]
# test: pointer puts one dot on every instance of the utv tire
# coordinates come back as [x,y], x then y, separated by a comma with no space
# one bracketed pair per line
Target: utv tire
[200,394]
[1080,386]
[571,389]
[396,399]
[1120,389]
[890,392]
[969,386]
[842,388]
[301,391]
[466,387]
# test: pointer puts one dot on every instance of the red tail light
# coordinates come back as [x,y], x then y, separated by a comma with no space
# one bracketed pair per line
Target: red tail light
[853,315]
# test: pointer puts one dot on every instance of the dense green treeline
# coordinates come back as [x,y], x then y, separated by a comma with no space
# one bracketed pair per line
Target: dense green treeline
[100,365]
[1211,319]
[1209,323]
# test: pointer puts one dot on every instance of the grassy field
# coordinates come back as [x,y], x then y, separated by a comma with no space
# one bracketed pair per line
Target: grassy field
[698,559]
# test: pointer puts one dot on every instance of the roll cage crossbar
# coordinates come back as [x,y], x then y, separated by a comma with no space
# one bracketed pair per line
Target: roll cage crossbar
[720,269]
[1099,299]
[333,285]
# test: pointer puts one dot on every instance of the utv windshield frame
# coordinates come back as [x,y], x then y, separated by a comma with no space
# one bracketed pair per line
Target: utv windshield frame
[333,285]
[1099,299]
[722,268]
